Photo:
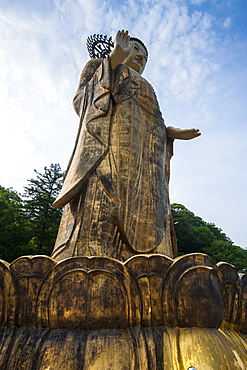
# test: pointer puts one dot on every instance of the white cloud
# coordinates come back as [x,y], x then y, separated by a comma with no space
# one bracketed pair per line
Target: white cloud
[196,2]
[227,22]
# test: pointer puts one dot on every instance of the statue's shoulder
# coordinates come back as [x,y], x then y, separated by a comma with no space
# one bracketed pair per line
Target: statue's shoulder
[88,71]
[91,66]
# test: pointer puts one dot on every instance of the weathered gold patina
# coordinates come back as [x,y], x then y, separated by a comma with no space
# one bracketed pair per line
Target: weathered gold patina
[148,313]
[115,191]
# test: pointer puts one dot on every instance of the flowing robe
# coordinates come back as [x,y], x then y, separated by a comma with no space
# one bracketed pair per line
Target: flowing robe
[115,190]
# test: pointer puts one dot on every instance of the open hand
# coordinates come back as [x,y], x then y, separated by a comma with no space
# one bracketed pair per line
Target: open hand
[122,48]
[122,41]
[182,134]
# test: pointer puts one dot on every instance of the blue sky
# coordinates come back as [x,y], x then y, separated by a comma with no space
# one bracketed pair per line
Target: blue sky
[197,65]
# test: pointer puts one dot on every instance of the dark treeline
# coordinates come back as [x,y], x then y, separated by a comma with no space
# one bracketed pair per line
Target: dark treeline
[195,235]
[29,224]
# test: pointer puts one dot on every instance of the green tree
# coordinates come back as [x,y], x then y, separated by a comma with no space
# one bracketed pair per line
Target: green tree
[195,235]
[13,233]
[185,223]
[43,218]
[226,251]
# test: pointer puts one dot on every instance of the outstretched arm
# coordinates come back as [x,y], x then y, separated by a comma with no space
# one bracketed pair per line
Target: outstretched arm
[122,48]
[182,134]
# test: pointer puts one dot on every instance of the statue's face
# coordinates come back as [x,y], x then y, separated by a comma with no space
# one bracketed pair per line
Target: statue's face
[137,59]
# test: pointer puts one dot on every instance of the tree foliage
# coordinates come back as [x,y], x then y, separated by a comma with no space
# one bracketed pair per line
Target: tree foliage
[13,235]
[29,225]
[43,218]
[195,235]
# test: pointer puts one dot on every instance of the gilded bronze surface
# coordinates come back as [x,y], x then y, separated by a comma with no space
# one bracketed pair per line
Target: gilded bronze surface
[115,190]
[151,312]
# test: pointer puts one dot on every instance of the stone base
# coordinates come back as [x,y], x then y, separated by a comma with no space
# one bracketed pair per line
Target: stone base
[150,312]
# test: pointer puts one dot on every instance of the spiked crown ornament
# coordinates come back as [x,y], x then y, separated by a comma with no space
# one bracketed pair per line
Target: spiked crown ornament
[99,46]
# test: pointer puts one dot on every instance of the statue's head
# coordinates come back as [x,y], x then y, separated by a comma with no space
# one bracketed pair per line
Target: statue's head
[137,59]
[100,46]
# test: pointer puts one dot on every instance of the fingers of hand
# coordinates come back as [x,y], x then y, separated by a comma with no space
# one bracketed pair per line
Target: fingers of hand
[193,135]
[189,134]
[195,132]
[123,36]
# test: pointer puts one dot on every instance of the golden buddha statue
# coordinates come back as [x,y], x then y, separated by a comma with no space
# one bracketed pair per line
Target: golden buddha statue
[115,191]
